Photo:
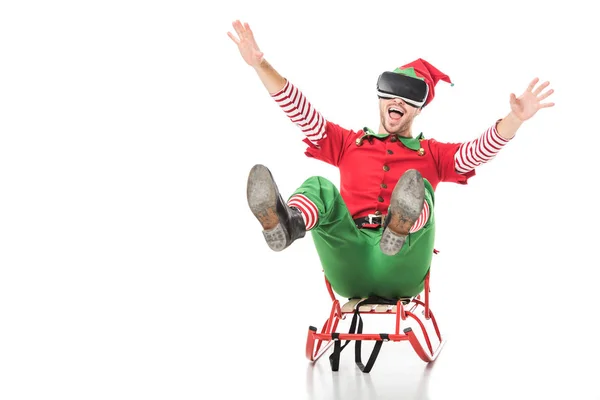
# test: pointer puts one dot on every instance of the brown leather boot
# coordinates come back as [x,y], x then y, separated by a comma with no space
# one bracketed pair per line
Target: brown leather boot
[406,205]
[281,224]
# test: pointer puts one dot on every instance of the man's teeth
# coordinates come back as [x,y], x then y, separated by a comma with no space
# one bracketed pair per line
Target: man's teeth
[397,110]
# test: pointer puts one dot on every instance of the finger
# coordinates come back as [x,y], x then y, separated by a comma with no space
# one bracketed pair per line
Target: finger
[513,98]
[545,95]
[235,40]
[546,105]
[239,29]
[532,84]
[248,30]
[540,88]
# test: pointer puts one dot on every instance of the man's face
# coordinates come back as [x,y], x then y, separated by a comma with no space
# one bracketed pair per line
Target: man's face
[397,116]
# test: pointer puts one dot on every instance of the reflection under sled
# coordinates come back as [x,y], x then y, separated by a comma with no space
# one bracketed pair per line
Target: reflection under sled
[405,310]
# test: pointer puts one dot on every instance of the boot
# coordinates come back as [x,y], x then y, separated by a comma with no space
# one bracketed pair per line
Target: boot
[281,224]
[406,205]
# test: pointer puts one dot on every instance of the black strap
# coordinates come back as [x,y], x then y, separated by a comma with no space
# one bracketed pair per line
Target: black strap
[374,353]
[334,358]
[356,326]
[357,355]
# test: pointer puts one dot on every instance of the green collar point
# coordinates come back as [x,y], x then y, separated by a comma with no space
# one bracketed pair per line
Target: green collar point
[370,132]
[411,143]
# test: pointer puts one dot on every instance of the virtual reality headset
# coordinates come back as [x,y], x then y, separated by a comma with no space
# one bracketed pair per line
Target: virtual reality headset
[392,85]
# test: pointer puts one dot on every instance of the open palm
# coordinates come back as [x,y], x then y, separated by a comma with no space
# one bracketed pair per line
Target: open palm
[246,43]
[526,105]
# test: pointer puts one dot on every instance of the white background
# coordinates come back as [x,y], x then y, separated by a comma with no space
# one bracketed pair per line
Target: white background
[131,267]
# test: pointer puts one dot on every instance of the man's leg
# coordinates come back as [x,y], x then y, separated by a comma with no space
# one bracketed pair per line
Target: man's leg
[346,252]
[403,274]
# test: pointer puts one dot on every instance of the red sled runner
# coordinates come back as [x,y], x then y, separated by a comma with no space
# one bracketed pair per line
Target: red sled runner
[404,309]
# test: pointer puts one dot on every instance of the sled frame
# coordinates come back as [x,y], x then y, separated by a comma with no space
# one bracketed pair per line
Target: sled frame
[318,343]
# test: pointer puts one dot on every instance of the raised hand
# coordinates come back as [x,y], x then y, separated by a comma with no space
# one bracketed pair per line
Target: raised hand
[246,43]
[526,105]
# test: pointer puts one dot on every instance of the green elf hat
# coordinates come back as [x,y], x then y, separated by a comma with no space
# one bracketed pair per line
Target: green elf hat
[423,70]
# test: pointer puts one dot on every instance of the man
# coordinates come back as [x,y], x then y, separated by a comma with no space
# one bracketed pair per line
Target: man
[375,235]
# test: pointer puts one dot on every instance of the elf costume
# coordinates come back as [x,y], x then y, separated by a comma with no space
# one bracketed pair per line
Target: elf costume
[375,235]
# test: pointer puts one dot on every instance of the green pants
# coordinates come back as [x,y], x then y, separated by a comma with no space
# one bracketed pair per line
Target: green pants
[351,259]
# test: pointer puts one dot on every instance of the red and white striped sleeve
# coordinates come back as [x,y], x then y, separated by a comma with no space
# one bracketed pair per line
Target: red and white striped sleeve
[479,151]
[301,112]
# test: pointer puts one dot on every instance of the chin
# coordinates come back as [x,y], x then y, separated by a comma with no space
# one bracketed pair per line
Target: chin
[393,128]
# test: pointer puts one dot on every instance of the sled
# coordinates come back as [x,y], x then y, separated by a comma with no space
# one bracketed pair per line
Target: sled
[415,309]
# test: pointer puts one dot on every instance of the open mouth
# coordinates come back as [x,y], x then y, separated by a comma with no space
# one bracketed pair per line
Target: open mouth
[395,113]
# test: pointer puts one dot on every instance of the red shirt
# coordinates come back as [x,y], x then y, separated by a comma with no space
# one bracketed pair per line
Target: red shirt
[369,172]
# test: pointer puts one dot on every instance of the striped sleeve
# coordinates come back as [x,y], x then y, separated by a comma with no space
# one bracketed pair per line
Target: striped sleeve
[479,151]
[299,110]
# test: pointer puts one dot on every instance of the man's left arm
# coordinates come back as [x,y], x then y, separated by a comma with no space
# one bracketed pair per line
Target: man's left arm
[484,148]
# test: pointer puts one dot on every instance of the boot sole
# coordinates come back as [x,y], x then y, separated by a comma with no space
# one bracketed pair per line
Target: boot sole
[262,195]
[406,205]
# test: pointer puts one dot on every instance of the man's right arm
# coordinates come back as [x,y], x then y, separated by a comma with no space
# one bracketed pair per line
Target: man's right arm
[293,103]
